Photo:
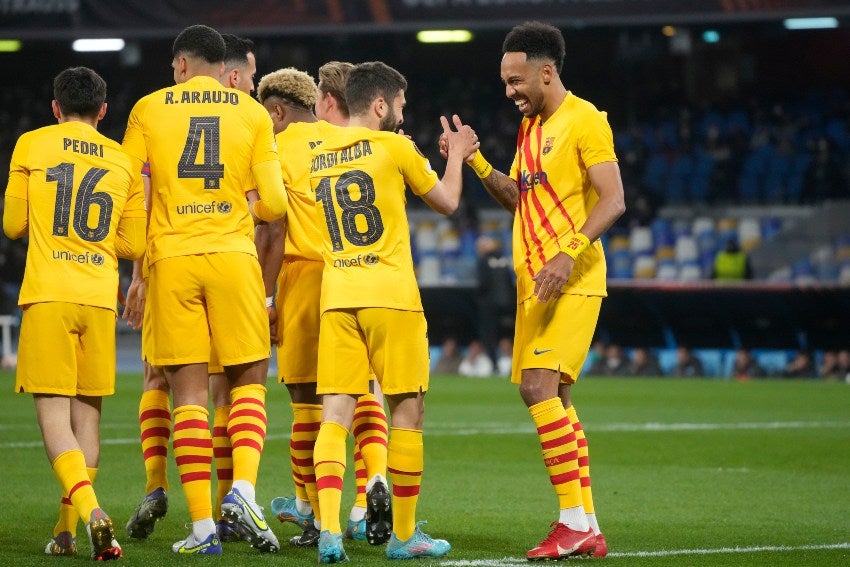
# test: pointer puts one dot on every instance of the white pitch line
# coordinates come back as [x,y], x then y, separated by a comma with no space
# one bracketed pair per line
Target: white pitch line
[455,430]
[497,429]
[506,561]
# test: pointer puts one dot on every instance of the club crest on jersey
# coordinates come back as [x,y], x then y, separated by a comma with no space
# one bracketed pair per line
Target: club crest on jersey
[548,145]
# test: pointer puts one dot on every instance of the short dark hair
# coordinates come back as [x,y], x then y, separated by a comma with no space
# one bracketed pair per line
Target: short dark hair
[200,41]
[368,81]
[236,49]
[538,41]
[79,91]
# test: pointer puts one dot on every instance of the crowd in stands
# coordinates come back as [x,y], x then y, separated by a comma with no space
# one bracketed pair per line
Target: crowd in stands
[473,361]
[611,359]
[740,364]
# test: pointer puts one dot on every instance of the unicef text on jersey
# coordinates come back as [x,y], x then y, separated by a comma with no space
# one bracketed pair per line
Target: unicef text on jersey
[196,208]
[360,261]
[95,259]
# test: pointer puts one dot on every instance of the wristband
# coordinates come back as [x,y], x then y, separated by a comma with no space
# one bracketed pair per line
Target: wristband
[270,301]
[480,166]
[577,244]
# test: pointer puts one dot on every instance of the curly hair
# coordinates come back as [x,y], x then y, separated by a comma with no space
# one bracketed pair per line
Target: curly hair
[538,41]
[290,84]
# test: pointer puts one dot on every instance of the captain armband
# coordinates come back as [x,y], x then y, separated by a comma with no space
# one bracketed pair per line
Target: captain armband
[480,165]
[577,244]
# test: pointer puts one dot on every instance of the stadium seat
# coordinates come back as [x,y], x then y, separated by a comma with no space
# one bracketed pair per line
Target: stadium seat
[702,225]
[749,233]
[665,253]
[844,274]
[662,232]
[644,267]
[426,237]
[620,264]
[429,269]
[690,271]
[770,227]
[619,242]
[666,271]
[640,240]
[686,249]
[712,361]
[773,361]
[803,272]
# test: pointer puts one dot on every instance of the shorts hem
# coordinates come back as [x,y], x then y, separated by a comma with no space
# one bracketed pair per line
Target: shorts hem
[66,393]
[296,379]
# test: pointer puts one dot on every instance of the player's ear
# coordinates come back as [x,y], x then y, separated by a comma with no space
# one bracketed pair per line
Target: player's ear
[56,112]
[379,107]
[102,111]
[546,72]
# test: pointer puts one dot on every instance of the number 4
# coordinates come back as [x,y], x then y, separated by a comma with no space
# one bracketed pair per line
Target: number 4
[210,170]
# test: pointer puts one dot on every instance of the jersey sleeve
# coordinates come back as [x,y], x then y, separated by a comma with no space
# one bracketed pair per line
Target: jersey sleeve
[18,171]
[264,148]
[414,166]
[134,138]
[596,143]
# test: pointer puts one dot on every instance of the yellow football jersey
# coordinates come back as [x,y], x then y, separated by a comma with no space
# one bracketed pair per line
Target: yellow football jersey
[201,140]
[555,193]
[359,178]
[296,143]
[78,186]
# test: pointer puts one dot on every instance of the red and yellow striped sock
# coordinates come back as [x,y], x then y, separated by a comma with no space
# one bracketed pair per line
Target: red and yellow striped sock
[329,459]
[223,453]
[247,428]
[193,451]
[306,420]
[155,423]
[370,431]
[583,461]
[360,479]
[70,469]
[406,461]
[68,517]
[560,450]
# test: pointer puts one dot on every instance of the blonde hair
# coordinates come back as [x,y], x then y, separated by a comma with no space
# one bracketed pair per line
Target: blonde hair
[332,78]
[290,84]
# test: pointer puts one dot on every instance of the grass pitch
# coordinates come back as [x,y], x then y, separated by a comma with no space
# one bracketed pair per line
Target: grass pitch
[699,472]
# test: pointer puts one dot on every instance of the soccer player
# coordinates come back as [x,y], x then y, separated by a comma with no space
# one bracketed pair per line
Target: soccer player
[154,407]
[203,143]
[371,310]
[71,191]
[564,190]
[289,95]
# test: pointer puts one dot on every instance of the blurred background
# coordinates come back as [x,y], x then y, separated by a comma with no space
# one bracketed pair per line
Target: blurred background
[731,121]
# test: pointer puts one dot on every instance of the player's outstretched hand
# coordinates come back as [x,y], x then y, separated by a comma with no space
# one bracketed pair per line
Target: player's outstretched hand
[444,142]
[463,139]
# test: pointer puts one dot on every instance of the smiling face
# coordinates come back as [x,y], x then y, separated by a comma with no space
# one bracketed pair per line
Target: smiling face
[524,82]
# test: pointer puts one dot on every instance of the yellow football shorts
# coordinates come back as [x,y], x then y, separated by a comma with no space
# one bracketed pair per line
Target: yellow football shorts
[299,287]
[555,335]
[195,300]
[66,349]
[391,342]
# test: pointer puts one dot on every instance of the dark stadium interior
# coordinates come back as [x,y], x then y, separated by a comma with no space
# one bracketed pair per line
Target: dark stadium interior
[756,121]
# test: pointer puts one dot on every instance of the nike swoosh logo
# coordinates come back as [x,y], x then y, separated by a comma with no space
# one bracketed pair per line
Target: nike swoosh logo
[536,352]
[256,519]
